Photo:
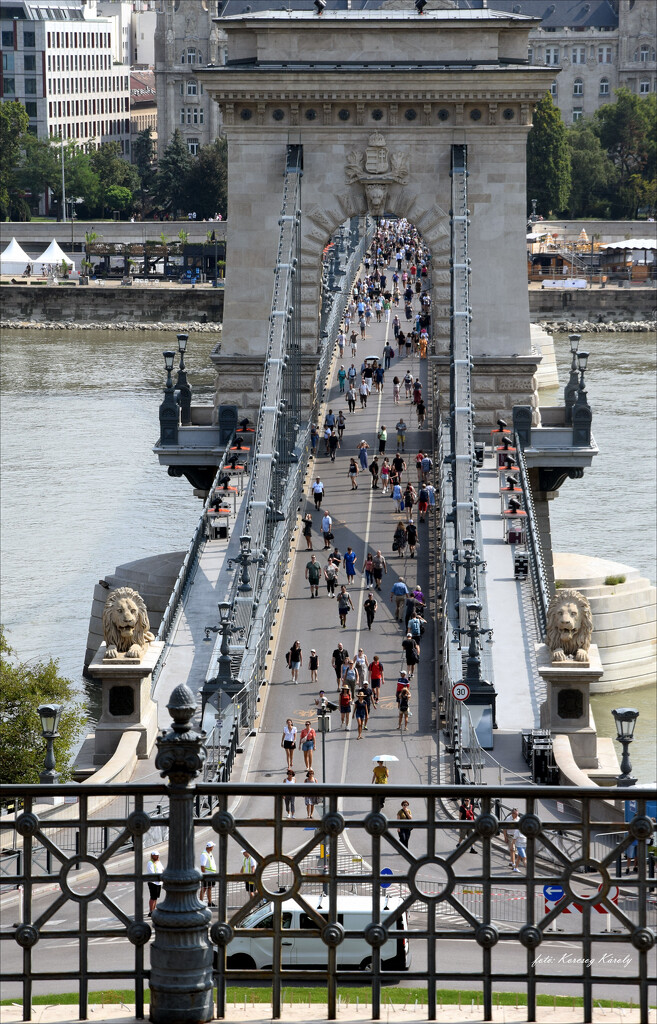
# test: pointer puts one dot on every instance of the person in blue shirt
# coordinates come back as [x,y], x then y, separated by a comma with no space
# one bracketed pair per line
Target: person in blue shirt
[350,565]
[398,595]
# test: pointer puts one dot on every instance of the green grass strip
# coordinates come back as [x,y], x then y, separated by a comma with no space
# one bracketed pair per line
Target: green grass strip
[403,996]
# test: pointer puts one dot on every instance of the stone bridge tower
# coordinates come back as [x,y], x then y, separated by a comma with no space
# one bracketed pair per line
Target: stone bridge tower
[377,100]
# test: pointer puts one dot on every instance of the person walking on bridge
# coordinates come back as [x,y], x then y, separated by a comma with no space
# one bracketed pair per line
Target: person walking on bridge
[370,606]
[379,567]
[327,523]
[318,492]
[399,593]
[345,605]
[313,575]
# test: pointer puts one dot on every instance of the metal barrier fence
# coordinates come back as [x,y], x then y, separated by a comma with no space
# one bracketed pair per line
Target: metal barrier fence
[538,574]
[339,934]
[255,610]
[463,597]
[188,567]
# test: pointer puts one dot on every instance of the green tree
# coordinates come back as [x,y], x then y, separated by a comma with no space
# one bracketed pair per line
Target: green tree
[117,197]
[173,172]
[113,171]
[143,154]
[24,686]
[548,159]
[627,130]
[39,167]
[593,174]
[13,129]
[207,182]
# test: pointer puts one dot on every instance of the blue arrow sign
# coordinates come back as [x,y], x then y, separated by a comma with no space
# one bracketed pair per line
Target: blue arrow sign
[553,893]
[386,871]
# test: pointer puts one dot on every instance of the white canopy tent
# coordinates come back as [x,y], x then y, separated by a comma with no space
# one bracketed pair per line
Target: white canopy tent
[54,256]
[631,243]
[14,259]
[637,247]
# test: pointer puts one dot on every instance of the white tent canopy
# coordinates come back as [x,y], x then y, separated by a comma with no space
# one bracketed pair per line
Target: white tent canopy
[54,255]
[631,243]
[14,259]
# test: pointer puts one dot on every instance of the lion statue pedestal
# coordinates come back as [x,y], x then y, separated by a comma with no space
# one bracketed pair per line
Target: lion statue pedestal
[127,703]
[124,664]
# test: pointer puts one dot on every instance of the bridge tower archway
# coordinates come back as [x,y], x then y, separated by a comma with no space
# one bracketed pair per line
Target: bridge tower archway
[377,102]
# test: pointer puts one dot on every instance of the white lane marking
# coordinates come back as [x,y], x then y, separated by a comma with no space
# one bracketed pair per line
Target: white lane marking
[359,618]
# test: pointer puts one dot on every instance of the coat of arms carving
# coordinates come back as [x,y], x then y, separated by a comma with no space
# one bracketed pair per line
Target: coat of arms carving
[376,169]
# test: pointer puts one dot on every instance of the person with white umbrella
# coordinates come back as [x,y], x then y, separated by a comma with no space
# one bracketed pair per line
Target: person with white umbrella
[380,773]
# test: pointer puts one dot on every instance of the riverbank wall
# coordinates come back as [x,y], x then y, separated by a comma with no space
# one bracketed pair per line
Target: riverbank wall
[112,305]
[595,304]
[97,306]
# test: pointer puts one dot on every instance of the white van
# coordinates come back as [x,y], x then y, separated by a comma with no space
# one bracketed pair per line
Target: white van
[354,913]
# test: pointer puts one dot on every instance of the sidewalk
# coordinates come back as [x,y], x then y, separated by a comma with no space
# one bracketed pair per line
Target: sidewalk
[261,1014]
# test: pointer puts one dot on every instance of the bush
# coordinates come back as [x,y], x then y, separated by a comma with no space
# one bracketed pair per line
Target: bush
[613,581]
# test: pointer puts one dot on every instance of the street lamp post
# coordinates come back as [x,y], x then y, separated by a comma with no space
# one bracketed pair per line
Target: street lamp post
[224,679]
[50,715]
[182,385]
[581,411]
[625,719]
[482,693]
[245,558]
[570,390]
[470,561]
[169,407]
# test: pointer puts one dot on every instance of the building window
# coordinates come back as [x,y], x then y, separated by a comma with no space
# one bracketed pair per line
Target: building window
[8,39]
[551,54]
[30,86]
[644,87]
[644,53]
[604,55]
[192,87]
[578,55]
[31,108]
[553,90]
[8,61]
[577,114]
[530,54]
[192,146]
[9,86]
[604,86]
[29,39]
[29,62]
[578,87]
[191,56]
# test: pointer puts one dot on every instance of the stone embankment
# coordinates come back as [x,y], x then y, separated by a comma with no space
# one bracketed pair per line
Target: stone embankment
[568,326]
[110,325]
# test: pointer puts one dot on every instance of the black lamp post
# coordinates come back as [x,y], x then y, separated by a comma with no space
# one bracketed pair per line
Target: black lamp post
[625,719]
[169,407]
[50,715]
[245,558]
[470,561]
[570,390]
[182,385]
[224,678]
[581,411]
[482,693]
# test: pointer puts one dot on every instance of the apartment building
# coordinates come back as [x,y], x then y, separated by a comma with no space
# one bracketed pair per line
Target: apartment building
[595,46]
[58,60]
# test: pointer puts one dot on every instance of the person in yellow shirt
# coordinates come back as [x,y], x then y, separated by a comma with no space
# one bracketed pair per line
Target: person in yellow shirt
[380,776]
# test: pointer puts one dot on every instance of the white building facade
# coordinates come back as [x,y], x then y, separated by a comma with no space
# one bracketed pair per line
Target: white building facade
[58,60]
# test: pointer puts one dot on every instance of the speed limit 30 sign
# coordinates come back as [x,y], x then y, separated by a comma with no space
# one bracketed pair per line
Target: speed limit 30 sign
[460,691]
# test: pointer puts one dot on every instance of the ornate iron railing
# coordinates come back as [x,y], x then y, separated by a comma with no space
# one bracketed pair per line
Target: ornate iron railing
[435,893]
[537,571]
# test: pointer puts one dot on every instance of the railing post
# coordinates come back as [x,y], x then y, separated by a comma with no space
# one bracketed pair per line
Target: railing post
[181,954]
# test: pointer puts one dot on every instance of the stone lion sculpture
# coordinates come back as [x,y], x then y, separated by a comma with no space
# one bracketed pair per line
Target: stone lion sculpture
[569,626]
[125,624]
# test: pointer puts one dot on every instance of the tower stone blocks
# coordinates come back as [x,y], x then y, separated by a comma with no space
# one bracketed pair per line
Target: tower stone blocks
[377,104]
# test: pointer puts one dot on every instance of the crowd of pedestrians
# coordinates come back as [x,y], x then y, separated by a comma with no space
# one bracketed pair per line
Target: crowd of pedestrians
[391,291]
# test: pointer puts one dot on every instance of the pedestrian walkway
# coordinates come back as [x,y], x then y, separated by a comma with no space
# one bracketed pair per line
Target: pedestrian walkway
[365,520]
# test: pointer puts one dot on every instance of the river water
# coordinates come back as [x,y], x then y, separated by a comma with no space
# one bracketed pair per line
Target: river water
[82,491]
